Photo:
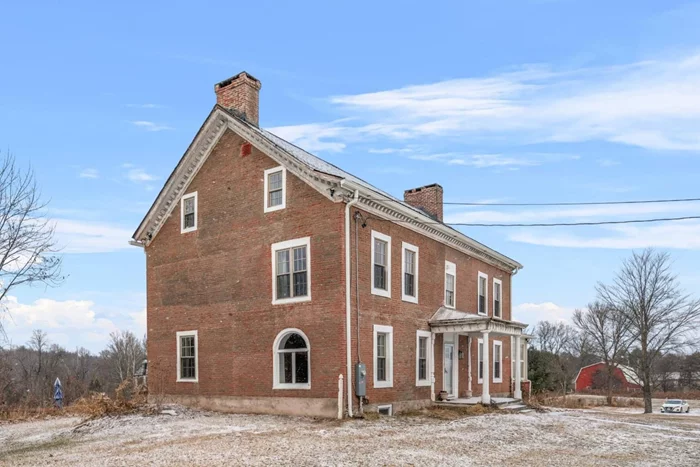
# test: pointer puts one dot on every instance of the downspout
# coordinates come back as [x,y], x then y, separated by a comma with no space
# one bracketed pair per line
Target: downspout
[348,306]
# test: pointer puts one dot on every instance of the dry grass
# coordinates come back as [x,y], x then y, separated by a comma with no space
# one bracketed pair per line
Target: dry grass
[442,412]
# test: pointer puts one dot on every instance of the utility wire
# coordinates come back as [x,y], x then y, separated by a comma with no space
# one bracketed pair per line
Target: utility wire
[556,224]
[586,203]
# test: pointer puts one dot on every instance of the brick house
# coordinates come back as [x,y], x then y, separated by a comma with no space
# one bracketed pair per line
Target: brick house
[271,272]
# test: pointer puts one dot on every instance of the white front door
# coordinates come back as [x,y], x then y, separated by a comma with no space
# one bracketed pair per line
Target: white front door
[448,367]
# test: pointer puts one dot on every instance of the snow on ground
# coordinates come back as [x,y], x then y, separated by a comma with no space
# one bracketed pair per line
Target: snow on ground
[562,437]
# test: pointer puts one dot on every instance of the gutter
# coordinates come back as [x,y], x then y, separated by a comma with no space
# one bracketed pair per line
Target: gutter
[348,273]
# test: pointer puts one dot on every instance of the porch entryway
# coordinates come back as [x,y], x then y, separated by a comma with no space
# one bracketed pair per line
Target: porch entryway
[452,324]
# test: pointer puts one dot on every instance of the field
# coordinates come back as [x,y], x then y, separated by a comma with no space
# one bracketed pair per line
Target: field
[602,436]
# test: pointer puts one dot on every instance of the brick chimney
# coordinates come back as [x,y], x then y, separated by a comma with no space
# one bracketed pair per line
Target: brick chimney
[426,198]
[240,93]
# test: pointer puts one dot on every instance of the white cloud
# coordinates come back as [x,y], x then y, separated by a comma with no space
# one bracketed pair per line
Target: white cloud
[532,313]
[652,104]
[69,323]
[138,175]
[89,173]
[151,126]
[311,136]
[76,236]
[607,162]
[676,235]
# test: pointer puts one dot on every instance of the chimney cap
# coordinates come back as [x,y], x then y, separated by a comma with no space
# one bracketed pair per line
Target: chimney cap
[415,190]
[242,74]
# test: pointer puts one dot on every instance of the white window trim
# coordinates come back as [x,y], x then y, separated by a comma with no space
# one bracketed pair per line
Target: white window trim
[182,212]
[428,350]
[385,407]
[389,330]
[407,298]
[306,241]
[276,363]
[450,268]
[493,306]
[180,334]
[493,365]
[479,358]
[266,199]
[382,293]
[486,294]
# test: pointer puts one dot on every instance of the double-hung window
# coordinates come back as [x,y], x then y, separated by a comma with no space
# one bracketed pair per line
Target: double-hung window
[409,276]
[188,213]
[187,354]
[497,298]
[482,293]
[422,358]
[381,264]
[497,361]
[450,281]
[291,271]
[275,189]
[383,356]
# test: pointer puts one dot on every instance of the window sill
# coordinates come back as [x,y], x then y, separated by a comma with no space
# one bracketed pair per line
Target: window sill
[381,293]
[191,229]
[291,386]
[422,383]
[482,314]
[451,307]
[497,380]
[274,208]
[409,299]
[188,380]
[284,301]
[383,384]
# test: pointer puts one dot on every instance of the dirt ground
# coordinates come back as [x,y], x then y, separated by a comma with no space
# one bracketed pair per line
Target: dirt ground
[187,437]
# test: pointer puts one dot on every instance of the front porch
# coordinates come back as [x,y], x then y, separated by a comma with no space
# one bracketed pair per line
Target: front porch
[495,351]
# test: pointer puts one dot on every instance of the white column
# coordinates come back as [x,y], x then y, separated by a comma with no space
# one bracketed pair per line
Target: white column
[431,360]
[527,364]
[469,366]
[485,396]
[517,393]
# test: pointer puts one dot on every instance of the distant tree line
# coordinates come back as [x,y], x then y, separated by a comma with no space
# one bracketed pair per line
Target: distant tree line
[642,319]
[27,372]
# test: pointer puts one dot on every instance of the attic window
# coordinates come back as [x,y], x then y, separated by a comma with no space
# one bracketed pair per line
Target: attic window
[275,189]
[188,213]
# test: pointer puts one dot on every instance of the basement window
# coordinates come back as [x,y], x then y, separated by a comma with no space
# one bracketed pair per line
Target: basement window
[275,189]
[385,409]
[291,271]
[188,213]
[187,354]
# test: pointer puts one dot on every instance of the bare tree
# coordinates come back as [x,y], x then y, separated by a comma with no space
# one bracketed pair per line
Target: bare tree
[123,353]
[566,349]
[607,332]
[554,337]
[27,247]
[659,313]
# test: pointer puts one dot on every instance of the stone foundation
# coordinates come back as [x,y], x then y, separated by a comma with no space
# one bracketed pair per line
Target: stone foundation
[308,407]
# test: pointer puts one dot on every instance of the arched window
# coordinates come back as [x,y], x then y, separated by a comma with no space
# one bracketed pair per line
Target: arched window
[292,369]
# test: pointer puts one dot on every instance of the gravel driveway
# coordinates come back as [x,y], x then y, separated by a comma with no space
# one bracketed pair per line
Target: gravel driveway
[563,437]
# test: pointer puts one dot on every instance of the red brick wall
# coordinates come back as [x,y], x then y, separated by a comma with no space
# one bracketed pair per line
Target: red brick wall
[217,280]
[240,93]
[427,198]
[406,318]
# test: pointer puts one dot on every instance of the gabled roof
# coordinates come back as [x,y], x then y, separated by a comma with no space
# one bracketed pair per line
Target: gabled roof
[331,181]
[627,371]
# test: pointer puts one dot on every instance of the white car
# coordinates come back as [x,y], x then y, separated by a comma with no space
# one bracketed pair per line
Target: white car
[675,406]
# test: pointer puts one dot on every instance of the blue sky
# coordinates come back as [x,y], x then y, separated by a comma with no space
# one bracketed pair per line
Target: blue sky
[513,101]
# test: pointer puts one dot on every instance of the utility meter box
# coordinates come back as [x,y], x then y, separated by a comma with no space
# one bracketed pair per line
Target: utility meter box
[360,380]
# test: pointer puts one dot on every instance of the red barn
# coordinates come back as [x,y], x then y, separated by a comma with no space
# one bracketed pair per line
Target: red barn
[593,377]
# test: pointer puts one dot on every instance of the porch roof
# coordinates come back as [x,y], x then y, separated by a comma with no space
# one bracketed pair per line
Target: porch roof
[451,320]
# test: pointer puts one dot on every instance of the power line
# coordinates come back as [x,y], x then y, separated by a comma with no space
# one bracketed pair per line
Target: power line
[559,224]
[584,203]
